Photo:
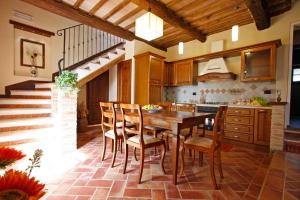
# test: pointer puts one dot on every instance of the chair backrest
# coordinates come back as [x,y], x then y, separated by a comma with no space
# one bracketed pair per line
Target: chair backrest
[165,105]
[108,115]
[185,107]
[132,113]
[218,129]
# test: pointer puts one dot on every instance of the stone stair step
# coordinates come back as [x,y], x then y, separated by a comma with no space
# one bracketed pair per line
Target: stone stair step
[10,138]
[25,124]
[14,113]
[24,103]
[43,85]
[33,94]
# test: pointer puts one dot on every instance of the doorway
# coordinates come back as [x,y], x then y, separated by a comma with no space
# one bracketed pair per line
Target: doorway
[124,81]
[97,91]
[295,80]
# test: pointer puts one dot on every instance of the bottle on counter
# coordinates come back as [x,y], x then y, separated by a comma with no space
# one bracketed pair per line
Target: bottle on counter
[202,99]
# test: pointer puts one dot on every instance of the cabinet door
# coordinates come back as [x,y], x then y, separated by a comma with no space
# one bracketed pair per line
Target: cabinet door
[262,126]
[156,70]
[258,64]
[172,75]
[155,93]
[166,74]
[184,72]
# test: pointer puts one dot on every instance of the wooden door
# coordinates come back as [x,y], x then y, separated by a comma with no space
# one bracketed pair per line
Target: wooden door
[184,72]
[156,70]
[97,90]
[124,81]
[262,126]
[155,93]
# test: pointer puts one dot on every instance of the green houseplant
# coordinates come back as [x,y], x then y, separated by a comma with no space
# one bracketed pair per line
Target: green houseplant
[66,81]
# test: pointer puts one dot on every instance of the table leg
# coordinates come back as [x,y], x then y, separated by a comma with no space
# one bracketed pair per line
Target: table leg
[175,153]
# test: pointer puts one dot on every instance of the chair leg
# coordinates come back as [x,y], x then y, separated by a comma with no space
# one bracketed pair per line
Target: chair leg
[104,147]
[219,162]
[116,144]
[142,157]
[162,157]
[155,135]
[121,145]
[134,153]
[201,159]
[112,145]
[126,158]
[182,151]
[212,169]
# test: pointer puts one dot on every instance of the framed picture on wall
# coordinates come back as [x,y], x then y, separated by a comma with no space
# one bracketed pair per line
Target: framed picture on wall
[32,53]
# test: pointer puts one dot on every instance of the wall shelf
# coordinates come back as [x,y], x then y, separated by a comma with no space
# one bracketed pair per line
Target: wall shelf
[31,29]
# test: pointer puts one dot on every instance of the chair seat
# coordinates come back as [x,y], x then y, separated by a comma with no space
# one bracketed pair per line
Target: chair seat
[153,128]
[120,124]
[111,134]
[199,142]
[147,139]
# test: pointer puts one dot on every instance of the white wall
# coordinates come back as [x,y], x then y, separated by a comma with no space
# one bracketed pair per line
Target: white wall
[41,19]
[113,83]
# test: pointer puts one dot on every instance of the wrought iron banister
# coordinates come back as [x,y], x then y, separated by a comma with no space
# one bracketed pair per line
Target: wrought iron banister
[82,41]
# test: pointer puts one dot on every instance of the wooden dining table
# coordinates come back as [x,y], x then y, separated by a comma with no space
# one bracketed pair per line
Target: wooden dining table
[174,121]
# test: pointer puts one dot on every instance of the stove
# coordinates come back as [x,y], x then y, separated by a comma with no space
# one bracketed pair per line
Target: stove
[209,122]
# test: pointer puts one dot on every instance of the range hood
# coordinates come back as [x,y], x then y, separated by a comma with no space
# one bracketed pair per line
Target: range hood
[215,69]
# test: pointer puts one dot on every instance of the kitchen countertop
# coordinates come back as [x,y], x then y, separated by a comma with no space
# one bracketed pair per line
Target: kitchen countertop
[235,106]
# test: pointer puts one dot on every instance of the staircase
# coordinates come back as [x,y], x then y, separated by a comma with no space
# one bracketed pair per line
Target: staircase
[25,115]
[292,140]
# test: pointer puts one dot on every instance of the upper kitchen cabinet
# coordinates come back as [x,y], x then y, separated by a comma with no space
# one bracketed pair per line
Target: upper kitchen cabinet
[181,73]
[149,78]
[259,63]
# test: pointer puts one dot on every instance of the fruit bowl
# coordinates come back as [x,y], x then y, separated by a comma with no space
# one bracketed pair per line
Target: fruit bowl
[150,108]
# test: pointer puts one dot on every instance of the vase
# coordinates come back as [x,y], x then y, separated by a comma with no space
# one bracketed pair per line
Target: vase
[33,71]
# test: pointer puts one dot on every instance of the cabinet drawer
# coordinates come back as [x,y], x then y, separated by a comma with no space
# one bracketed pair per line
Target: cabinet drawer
[239,120]
[243,137]
[239,128]
[240,111]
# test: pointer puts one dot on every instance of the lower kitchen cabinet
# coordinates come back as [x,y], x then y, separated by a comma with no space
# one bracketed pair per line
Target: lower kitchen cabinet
[250,125]
[262,126]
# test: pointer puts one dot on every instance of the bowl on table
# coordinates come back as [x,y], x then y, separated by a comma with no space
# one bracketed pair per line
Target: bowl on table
[150,108]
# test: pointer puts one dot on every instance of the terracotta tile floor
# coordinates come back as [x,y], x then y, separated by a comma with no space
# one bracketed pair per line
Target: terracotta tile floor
[244,172]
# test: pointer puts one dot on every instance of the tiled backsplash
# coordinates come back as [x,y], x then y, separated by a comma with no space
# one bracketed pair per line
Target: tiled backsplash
[220,91]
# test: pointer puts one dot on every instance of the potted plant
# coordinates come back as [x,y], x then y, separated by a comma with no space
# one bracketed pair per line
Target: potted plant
[67,81]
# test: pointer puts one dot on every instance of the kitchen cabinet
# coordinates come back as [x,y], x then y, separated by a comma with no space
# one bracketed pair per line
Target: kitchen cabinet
[239,124]
[180,73]
[149,78]
[185,72]
[262,126]
[250,125]
[259,63]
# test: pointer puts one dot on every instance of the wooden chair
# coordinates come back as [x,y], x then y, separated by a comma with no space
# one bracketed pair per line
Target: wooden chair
[185,133]
[132,113]
[156,130]
[208,146]
[109,129]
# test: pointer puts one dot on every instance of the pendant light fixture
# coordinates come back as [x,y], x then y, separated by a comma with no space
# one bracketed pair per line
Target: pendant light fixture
[149,26]
[235,33]
[180,48]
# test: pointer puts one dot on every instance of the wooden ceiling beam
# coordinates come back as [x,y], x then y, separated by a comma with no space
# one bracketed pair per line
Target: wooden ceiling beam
[96,7]
[78,3]
[259,12]
[128,15]
[78,15]
[116,9]
[170,17]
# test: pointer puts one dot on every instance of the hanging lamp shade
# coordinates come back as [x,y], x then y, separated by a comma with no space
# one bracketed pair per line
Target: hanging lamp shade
[235,33]
[180,48]
[149,26]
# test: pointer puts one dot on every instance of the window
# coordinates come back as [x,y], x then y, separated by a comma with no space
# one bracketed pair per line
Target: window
[296,75]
